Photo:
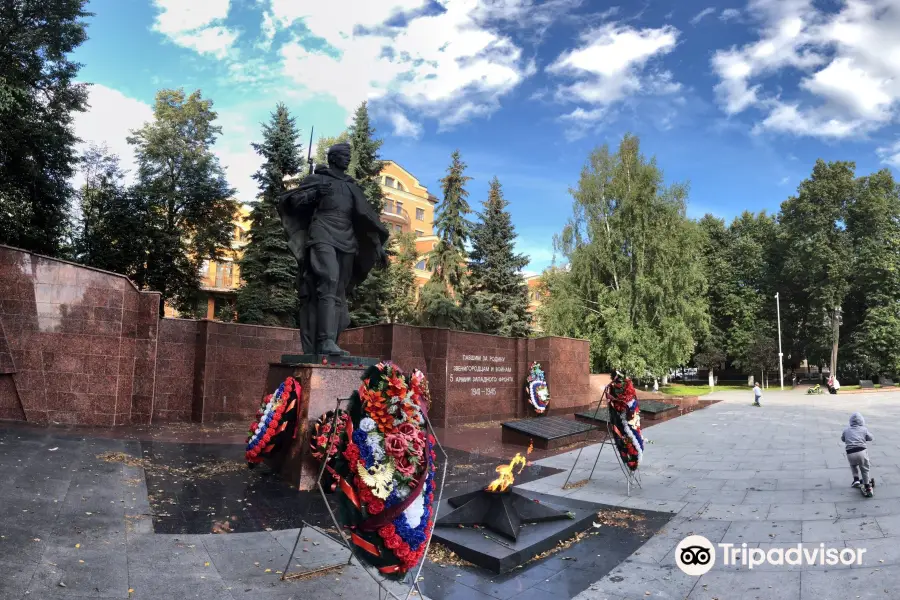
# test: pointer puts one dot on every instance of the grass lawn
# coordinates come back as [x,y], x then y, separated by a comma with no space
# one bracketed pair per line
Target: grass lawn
[699,390]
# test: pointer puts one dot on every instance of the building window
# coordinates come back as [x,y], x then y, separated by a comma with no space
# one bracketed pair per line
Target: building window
[419,233]
[204,269]
[223,275]
[421,265]
[390,182]
[399,206]
[388,206]
[398,228]
[420,214]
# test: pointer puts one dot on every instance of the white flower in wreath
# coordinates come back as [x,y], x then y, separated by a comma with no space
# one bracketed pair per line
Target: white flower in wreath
[415,511]
[367,425]
[543,393]
[403,491]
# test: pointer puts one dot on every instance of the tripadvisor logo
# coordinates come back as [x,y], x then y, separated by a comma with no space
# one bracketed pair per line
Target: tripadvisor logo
[696,555]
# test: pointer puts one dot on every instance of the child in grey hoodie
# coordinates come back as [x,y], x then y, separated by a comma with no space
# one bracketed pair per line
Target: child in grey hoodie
[855,437]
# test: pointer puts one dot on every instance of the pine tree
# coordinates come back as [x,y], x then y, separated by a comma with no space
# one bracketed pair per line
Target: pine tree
[447,261]
[497,291]
[187,197]
[269,270]
[367,301]
[38,95]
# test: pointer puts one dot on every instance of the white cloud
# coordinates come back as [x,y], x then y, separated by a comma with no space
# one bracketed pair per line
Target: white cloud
[403,127]
[611,64]
[850,74]
[702,14]
[268,29]
[113,115]
[450,66]
[196,25]
[730,14]
[890,155]
[109,120]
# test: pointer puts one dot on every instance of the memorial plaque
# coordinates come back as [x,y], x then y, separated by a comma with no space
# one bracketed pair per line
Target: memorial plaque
[481,376]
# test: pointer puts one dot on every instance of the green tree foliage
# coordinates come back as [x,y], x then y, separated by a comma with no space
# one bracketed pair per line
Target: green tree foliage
[189,202]
[269,270]
[326,142]
[438,306]
[634,286]
[112,233]
[872,307]
[817,258]
[497,292]
[367,302]
[38,96]
[401,277]
[739,261]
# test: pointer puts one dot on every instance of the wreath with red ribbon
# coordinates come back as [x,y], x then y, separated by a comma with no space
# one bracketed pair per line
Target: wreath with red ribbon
[326,428]
[385,470]
[275,424]
[625,420]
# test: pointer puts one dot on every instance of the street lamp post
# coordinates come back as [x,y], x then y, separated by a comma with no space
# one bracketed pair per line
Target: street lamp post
[780,355]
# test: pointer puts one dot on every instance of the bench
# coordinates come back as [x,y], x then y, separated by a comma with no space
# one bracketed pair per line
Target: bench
[866,384]
[885,382]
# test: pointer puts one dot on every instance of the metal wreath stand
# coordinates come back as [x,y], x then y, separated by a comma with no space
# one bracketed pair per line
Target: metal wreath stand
[631,477]
[384,591]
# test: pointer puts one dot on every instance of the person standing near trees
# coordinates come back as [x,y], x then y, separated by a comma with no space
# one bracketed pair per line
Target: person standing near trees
[757,394]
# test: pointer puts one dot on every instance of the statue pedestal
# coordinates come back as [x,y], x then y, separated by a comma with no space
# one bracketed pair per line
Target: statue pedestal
[321,385]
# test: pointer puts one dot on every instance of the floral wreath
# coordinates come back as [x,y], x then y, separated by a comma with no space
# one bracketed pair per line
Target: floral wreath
[625,420]
[320,435]
[275,417]
[385,472]
[538,392]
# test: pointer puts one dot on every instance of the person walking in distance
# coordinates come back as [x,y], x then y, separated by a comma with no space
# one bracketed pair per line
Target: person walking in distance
[757,394]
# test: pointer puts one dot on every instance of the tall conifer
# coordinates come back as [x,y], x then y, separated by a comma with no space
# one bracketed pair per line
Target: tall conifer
[367,302]
[269,270]
[497,289]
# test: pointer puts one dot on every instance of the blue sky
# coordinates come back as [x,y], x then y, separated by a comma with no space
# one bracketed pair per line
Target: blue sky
[737,98]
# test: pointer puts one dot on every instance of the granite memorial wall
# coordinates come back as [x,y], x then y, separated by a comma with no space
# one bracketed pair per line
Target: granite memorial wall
[83,346]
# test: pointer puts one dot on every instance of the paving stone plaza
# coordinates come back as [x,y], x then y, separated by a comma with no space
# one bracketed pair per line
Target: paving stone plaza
[75,526]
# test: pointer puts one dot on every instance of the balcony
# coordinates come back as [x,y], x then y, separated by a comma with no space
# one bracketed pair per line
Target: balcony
[395,215]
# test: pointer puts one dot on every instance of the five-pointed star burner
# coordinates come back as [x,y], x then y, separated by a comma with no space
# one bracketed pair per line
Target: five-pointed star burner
[501,512]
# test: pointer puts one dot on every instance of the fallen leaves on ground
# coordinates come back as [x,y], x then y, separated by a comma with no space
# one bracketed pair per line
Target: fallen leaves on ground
[576,485]
[221,527]
[441,555]
[204,470]
[336,569]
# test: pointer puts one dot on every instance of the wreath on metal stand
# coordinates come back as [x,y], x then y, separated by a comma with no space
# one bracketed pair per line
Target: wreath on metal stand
[623,432]
[536,387]
[398,487]
[275,424]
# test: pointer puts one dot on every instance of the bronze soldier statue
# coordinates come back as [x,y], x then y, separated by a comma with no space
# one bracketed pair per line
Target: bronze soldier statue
[336,237]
